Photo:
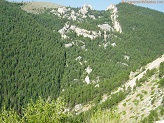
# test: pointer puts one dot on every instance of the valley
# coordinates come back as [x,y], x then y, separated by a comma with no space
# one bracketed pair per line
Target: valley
[80,65]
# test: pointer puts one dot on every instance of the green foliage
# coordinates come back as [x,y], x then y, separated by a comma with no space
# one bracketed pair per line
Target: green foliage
[136,102]
[146,77]
[114,100]
[39,112]
[151,72]
[9,116]
[49,21]
[139,37]
[32,58]
[144,92]
[161,70]
[45,111]
[124,104]
[35,63]
[154,115]
[161,82]
[105,116]
[140,96]
[161,74]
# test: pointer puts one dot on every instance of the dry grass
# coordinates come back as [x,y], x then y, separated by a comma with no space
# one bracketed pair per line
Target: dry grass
[38,7]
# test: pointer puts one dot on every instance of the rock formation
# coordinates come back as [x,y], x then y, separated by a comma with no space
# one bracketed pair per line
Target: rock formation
[114,17]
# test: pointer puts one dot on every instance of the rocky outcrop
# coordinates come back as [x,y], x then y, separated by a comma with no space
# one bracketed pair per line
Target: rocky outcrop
[126,57]
[85,8]
[62,10]
[161,121]
[87,80]
[64,29]
[150,66]
[72,15]
[106,44]
[79,31]
[113,44]
[92,16]
[105,27]
[84,32]
[88,70]
[68,45]
[114,17]
[78,107]
[78,58]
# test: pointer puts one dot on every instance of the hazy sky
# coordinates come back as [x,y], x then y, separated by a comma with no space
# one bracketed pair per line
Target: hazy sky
[100,4]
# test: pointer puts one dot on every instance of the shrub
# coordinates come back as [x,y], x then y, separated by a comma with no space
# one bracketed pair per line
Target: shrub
[39,112]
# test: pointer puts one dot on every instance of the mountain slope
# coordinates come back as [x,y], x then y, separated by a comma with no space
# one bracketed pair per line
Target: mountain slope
[146,26]
[80,54]
[32,58]
[38,7]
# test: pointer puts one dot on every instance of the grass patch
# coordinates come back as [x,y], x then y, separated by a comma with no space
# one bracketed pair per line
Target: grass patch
[144,92]
[140,96]
[124,112]
[136,102]
[132,117]
[124,104]
[128,100]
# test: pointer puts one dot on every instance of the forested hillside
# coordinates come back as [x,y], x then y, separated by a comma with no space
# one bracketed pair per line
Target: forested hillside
[80,54]
[32,59]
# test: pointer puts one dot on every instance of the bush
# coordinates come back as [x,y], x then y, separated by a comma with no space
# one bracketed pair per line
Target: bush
[161,82]
[105,116]
[39,112]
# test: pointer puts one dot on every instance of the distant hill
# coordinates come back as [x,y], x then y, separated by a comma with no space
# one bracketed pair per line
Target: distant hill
[38,7]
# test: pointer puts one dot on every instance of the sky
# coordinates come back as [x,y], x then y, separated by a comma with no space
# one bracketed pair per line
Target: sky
[101,4]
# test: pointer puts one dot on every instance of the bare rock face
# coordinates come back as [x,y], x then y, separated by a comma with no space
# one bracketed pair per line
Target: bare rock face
[113,44]
[126,57]
[105,27]
[62,10]
[161,121]
[86,33]
[64,29]
[68,45]
[97,86]
[78,58]
[78,107]
[92,16]
[112,6]
[105,44]
[73,16]
[84,10]
[88,70]
[69,13]
[114,17]
[79,31]
[88,7]
[87,80]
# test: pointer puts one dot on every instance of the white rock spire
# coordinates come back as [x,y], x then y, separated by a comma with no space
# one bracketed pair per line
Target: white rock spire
[114,17]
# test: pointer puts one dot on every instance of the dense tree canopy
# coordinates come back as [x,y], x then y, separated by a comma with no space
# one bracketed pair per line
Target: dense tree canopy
[34,61]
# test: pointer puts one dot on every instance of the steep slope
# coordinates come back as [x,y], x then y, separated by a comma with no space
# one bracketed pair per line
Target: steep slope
[79,53]
[110,64]
[32,58]
[147,94]
[144,103]
[144,30]
[92,36]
